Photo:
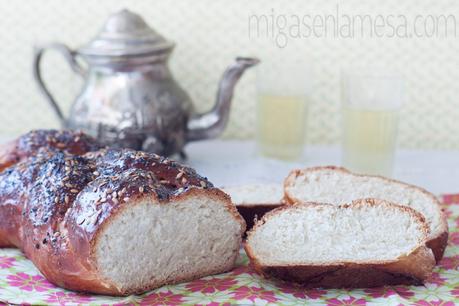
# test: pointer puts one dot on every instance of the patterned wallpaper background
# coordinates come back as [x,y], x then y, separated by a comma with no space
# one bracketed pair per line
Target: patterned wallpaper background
[210,33]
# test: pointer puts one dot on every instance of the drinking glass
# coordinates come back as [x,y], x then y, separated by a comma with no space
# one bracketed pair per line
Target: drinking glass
[281,108]
[370,108]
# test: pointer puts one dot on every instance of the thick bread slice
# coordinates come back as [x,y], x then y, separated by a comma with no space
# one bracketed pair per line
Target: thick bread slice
[337,185]
[149,244]
[368,243]
[254,200]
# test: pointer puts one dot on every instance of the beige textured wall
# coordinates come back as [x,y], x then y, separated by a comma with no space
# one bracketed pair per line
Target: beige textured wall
[210,33]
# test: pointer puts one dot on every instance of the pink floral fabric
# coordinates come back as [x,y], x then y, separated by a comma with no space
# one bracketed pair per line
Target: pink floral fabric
[29,282]
[6,262]
[21,283]
[67,298]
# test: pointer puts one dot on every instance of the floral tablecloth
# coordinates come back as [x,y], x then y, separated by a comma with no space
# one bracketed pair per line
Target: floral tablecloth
[21,283]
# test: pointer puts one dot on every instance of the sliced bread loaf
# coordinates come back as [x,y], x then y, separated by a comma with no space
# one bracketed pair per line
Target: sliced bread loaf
[254,200]
[116,222]
[338,186]
[368,243]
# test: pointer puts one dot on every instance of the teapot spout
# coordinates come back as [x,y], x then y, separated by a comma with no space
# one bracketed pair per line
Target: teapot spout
[212,123]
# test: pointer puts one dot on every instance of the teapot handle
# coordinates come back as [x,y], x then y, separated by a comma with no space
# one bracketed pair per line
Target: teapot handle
[69,56]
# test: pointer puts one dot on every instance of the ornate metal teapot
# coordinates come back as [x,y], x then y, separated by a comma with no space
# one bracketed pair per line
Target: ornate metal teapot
[129,97]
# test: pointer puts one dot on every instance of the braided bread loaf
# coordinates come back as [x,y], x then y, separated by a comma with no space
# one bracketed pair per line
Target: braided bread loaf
[112,221]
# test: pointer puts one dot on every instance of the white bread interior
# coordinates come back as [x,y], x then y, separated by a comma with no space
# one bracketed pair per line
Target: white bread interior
[328,234]
[338,186]
[150,244]
[255,194]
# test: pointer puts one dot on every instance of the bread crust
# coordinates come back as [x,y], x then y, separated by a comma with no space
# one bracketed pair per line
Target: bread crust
[54,205]
[409,269]
[253,212]
[345,275]
[72,142]
[436,241]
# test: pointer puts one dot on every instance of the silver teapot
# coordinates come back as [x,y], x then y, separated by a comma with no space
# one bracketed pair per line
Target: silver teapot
[129,98]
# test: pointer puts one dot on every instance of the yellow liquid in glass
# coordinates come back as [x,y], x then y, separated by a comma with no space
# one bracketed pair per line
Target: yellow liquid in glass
[370,140]
[281,126]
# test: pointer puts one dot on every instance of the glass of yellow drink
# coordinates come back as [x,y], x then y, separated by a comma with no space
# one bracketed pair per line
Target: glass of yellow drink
[282,108]
[370,108]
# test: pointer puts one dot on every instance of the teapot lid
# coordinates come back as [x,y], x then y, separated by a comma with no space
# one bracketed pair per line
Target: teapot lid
[126,34]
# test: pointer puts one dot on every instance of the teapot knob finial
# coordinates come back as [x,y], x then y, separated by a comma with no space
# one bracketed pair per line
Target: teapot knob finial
[124,21]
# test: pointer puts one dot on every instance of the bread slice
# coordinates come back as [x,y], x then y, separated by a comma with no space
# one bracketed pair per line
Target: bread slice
[254,200]
[368,243]
[150,244]
[338,186]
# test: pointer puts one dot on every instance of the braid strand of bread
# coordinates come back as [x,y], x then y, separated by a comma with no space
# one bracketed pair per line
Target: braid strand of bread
[54,203]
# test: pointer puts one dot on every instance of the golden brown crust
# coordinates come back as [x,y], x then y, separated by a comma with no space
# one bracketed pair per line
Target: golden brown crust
[8,154]
[437,242]
[410,269]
